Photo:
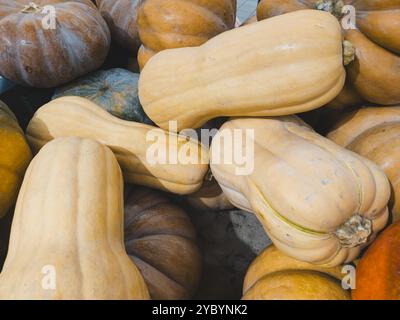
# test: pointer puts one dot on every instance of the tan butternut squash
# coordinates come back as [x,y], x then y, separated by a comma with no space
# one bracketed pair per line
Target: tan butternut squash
[318,202]
[275,276]
[133,144]
[284,65]
[375,72]
[374,133]
[15,156]
[67,233]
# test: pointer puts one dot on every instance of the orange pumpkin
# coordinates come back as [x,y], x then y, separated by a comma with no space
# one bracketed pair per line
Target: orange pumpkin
[378,273]
[375,72]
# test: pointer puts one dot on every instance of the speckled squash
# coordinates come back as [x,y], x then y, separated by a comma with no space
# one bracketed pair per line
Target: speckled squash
[67,233]
[176,24]
[378,276]
[42,56]
[318,202]
[135,145]
[247,72]
[116,90]
[375,72]
[15,156]
[161,240]
[374,133]
[121,17]
[275,276]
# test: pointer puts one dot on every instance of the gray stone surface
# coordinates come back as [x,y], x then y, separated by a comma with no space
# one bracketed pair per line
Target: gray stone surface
[229,242]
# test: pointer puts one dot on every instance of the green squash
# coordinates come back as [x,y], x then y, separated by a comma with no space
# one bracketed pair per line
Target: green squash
[115,90]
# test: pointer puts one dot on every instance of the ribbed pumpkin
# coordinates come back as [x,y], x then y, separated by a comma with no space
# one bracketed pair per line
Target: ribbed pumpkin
[378,276]
[176,24]
[347,98]
[374,133]
[275,276]
[138,147]
[247,72]
[161,240]
[318,202]
[116,90]
[121,17]
[15,156]
[375,73]
[210,197]
[37,55]
[67,233]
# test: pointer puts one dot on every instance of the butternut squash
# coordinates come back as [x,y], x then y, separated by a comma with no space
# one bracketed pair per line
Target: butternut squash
[67,233]
[132,143]
[374,133]
[284,65]
[318,202]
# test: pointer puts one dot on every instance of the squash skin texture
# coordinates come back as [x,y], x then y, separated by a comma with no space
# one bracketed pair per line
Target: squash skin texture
[375,72]
[45,58]
[76,116]
[304,189]
[15,156]
[115,90]
[275,276]
[374,133]
[177,24]
[121,18]
[72,195]
[377,273]
[161,240]
[284,65]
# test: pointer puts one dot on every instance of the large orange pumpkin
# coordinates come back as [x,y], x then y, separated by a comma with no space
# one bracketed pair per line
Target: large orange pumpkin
[33,52]
[176,24]
[378,273]
[375,72]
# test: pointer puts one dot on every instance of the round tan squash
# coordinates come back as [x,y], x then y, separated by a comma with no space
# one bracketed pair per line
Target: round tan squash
[275,276]
[374,133]
[161,240]
[247,72]
[181,23]
[318,202]
[35,53]
[374,73]
[121,17]
[133,144]
[15,156]
[67,233]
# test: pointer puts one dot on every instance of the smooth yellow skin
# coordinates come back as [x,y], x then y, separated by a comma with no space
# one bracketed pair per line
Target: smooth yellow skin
[75,116]
[274,275]
[15,156]
[284,65]
[303,188]
[67,232]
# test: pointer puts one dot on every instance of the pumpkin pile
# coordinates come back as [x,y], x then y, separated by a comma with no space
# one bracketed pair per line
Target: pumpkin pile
[306,139]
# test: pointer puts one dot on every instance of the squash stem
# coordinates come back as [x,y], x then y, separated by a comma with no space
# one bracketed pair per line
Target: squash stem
[334,7]
[349,52]
[31,8]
